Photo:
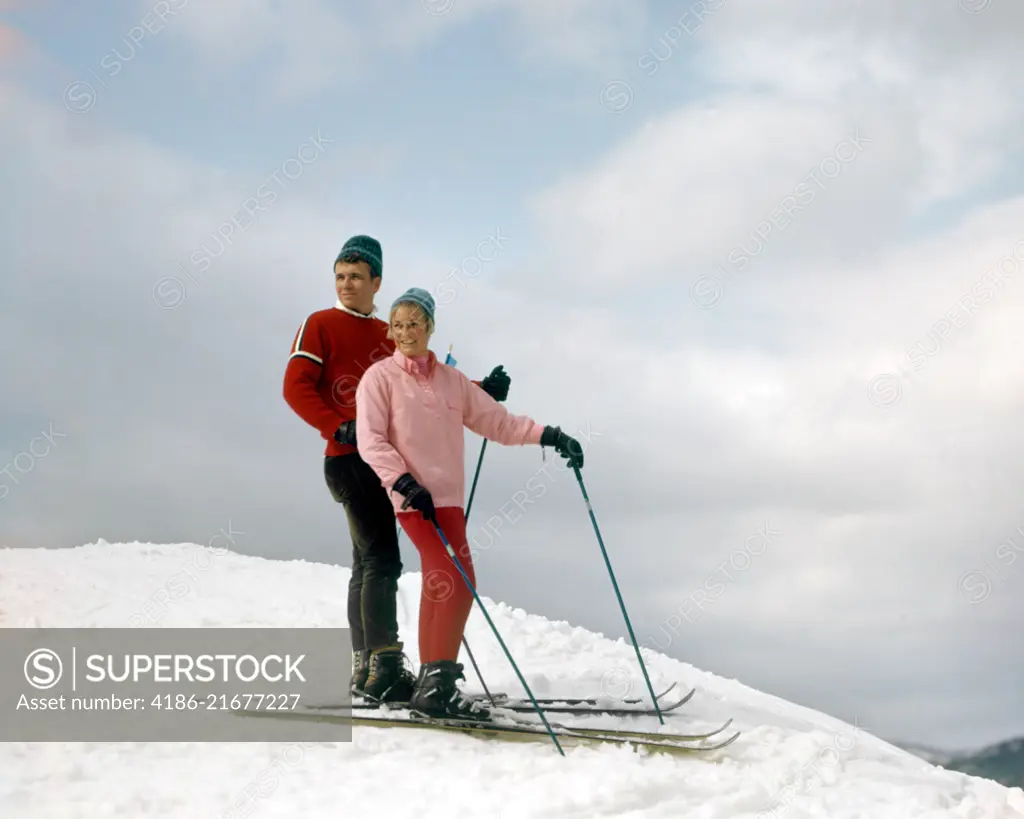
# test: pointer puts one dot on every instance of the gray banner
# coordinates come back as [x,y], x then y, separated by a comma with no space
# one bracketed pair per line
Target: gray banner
[173,684]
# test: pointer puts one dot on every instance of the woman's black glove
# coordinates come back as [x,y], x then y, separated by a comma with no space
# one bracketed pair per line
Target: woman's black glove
[565,445]
[416,496]
[497,383]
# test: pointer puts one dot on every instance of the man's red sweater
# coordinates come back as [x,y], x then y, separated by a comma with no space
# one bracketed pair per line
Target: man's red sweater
[331,351]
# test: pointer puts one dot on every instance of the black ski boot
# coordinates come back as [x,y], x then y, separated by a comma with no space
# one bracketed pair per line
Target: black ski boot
[388,679]
[360,671]
[437,693]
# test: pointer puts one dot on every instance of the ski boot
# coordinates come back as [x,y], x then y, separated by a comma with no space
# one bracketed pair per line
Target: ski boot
[360,671]
[388,679]
[437,693]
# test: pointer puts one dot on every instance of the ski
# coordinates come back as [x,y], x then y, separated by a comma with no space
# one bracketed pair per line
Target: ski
[567,705]
[572,700]
[651,735]
[517,731]
[526,707]
[612,711]
[598,733]
[514,718]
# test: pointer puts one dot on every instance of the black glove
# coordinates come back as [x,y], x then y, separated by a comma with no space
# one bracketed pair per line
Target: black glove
[496,384]
[565,445]
[416,496]
[346,433]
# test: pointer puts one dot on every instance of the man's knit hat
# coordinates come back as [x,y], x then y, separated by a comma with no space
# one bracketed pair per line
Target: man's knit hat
[365,249]
[419,297]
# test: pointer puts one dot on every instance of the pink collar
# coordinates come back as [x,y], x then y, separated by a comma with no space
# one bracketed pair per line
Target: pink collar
[419,365]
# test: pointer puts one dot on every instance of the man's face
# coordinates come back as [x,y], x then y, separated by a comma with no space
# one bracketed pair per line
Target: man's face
[354,285]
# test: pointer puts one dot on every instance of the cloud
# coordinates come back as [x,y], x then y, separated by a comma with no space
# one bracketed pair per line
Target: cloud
[14,46]
[9,42]
[718,410]
[313,45]
[103,217]
[809,334]
[695,185]
[310,44]
[820,132]
[590,34]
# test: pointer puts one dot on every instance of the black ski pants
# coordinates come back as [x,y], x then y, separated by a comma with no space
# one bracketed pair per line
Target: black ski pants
[376,560]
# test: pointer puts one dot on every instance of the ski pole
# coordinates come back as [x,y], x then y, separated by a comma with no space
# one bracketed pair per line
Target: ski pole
[458,565]
[476,476]
[622,605]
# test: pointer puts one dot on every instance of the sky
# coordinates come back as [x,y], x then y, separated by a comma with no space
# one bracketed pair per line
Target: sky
[764,257]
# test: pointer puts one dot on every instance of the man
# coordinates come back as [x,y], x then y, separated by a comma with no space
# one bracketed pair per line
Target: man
[331,351]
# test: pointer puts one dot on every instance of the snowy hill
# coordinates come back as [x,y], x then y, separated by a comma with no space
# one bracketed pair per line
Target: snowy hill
[790,761]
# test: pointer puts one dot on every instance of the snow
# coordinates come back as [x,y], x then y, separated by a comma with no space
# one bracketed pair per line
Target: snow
[936,756]
[790,762]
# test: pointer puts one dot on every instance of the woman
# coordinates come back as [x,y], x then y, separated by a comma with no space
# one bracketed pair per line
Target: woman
[411,410]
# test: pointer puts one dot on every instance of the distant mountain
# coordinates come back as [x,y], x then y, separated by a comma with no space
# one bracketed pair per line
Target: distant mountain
[1002,762]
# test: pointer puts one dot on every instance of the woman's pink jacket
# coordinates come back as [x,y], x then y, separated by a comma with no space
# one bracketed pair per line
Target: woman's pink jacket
[410,418]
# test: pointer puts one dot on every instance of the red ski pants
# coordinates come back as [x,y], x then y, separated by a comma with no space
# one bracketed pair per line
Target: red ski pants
[445,599]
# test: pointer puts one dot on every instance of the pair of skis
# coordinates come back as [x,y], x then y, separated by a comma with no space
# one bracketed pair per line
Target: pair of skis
[508,727]
[562,705]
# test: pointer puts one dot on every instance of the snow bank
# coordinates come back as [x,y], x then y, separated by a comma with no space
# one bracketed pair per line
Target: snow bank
[790,763]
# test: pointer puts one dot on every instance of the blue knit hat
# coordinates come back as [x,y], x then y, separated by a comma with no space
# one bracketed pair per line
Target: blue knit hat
[364,249]
[419,297]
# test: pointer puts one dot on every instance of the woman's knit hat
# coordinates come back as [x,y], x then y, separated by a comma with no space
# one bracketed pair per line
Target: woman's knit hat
[419,297]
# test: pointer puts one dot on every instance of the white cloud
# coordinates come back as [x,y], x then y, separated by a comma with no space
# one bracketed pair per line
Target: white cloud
[968,130]
[758,406]
[784,84]
[592,34]
[694,186]
[712,421]
[313,45]
[309,44]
